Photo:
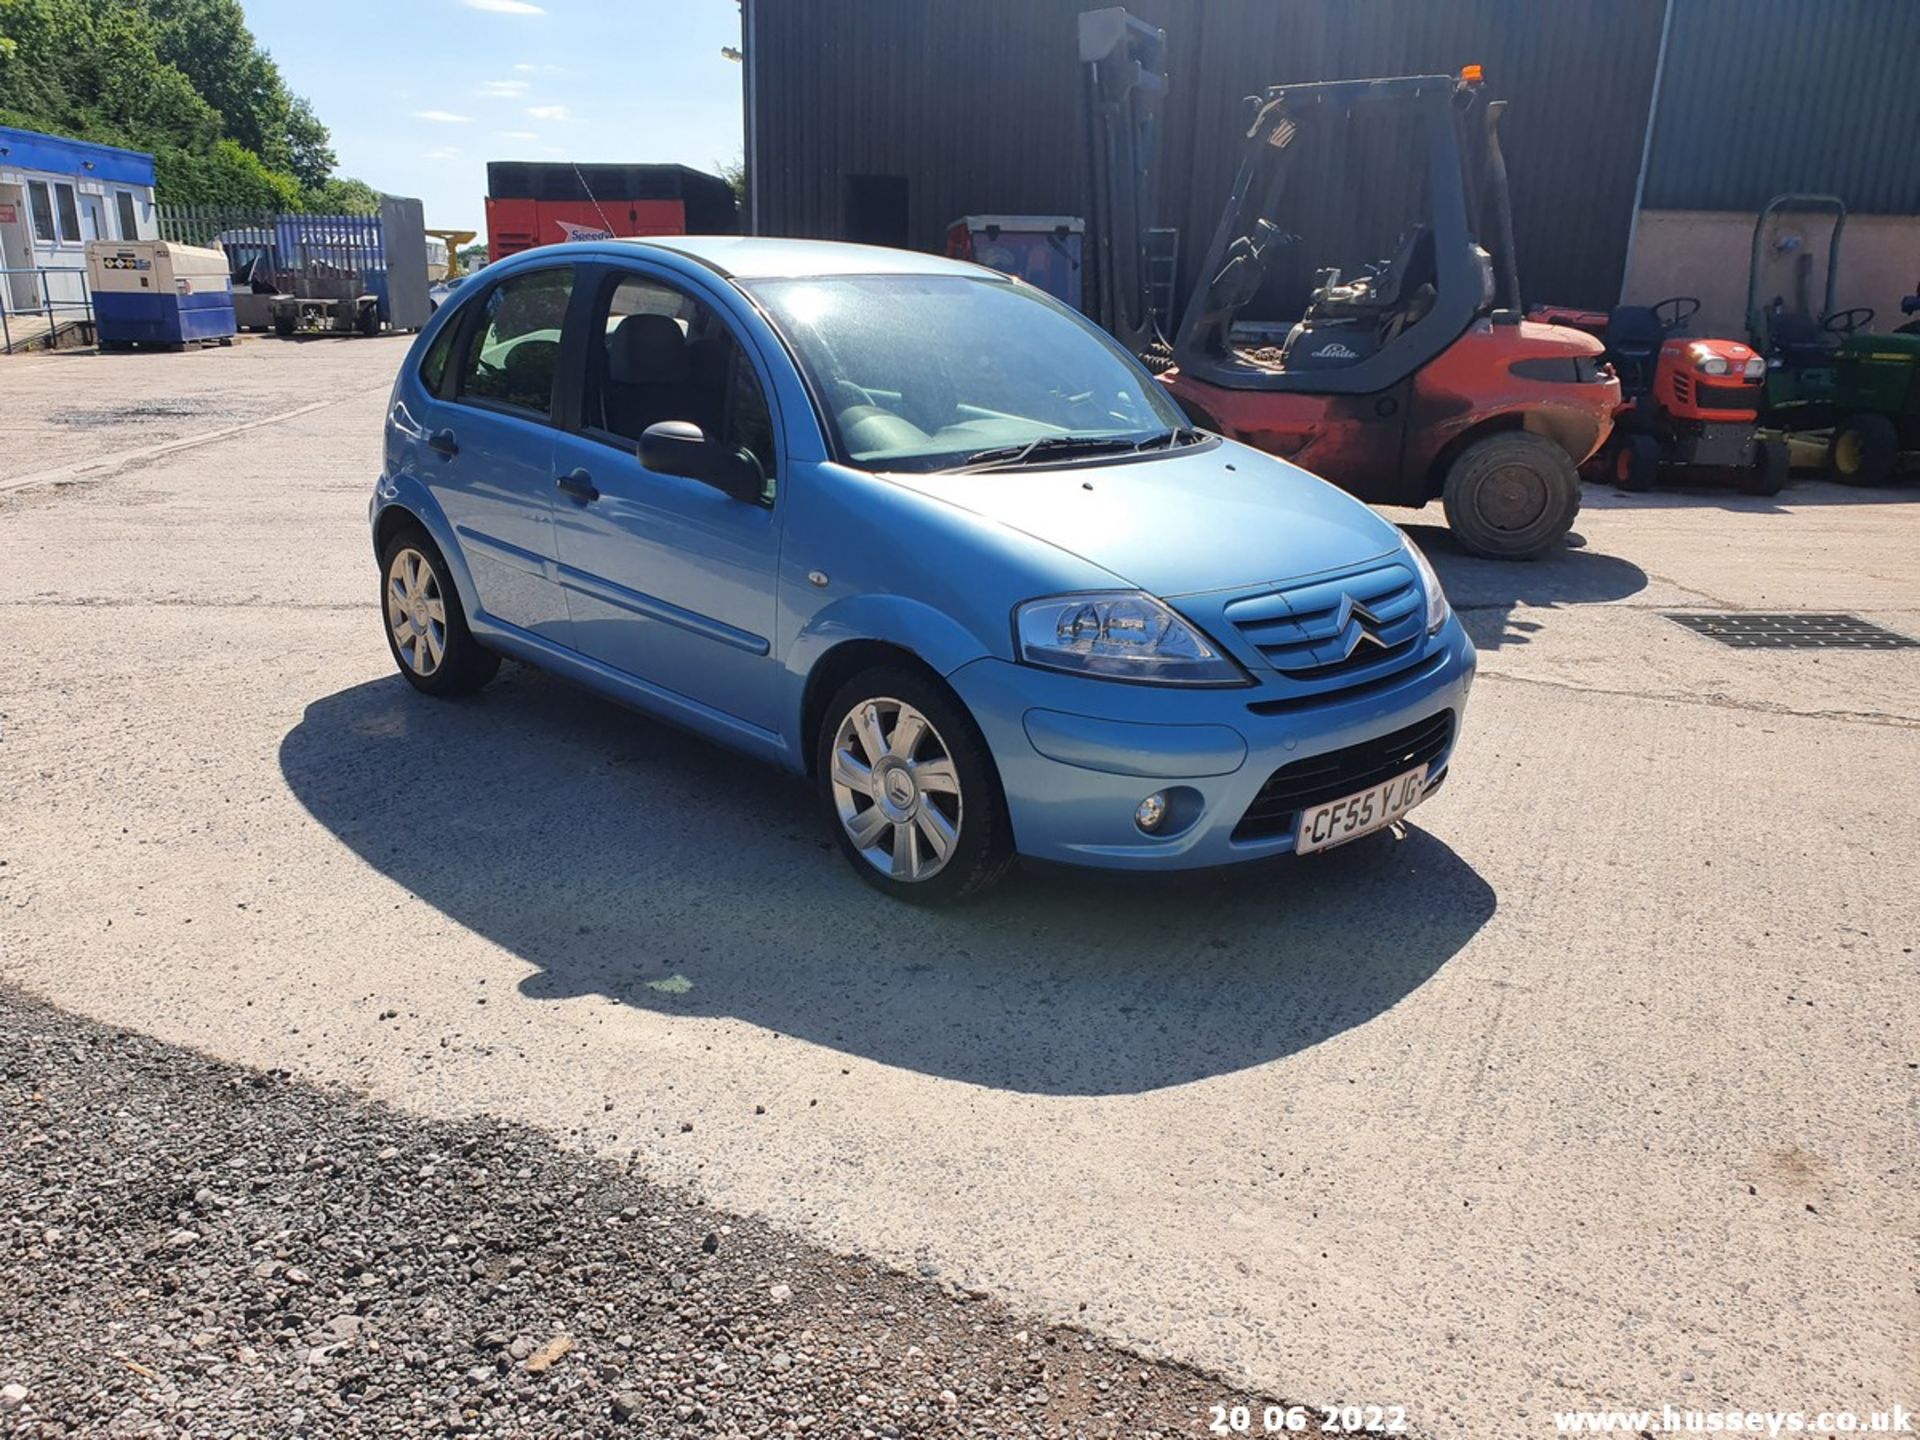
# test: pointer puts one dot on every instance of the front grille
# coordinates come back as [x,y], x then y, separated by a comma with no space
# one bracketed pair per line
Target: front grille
[1352,628]
[1320,778]
[1728,395]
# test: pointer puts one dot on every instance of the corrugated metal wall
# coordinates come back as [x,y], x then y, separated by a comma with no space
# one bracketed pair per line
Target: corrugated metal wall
[1762,97]
[979,105]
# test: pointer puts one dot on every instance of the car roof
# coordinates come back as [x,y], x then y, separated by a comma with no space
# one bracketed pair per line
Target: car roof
[763,257]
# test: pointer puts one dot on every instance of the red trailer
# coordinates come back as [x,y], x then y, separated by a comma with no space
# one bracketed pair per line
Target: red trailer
[531,204]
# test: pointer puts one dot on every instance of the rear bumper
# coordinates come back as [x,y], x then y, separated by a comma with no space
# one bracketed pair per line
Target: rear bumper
[1077,756]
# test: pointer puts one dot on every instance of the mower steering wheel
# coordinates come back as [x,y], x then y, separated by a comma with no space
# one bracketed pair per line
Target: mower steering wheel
[1845,322]
[1684,308]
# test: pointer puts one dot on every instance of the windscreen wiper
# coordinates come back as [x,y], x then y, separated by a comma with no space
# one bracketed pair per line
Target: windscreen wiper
[1173,439]
[1051,447]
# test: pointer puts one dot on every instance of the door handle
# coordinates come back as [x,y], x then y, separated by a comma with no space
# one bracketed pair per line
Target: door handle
[442,443]
[579,485]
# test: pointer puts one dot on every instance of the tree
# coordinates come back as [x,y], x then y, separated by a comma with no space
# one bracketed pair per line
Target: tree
[343,196]
[184,79]
[208,41]
[231,177]
[309,145]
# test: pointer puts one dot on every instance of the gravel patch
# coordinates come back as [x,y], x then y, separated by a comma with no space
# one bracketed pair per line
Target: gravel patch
[190,1248]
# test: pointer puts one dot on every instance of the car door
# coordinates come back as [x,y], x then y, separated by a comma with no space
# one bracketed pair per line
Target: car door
[488,434]
[667,578]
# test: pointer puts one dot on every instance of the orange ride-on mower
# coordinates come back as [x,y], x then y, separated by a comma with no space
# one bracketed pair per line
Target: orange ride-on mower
[1690,408]
[1405,384]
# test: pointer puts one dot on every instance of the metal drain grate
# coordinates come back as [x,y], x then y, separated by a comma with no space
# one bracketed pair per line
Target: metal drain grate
[1793,632]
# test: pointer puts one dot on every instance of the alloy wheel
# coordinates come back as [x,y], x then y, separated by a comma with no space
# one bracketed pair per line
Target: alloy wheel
[896,789]
[416,611]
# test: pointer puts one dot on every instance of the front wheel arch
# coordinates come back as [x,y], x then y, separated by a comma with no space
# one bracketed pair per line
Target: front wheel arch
[834,669]
[1574,433]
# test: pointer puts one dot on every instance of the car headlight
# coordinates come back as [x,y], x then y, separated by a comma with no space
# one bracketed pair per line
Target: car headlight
[1437,607]
[1756,367]
[1119,635]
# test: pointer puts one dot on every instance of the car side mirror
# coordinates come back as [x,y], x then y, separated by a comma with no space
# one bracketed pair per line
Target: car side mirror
[679,447]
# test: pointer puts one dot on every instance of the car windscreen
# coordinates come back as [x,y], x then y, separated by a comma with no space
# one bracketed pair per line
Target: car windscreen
[931,372]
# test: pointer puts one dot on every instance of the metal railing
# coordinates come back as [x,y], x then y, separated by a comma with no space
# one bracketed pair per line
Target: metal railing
[46,306]
[341,242]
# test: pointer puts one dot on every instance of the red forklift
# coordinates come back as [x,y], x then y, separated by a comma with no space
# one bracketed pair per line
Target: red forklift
[1404,384]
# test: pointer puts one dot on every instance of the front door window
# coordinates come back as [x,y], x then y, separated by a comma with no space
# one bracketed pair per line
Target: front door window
[665,355]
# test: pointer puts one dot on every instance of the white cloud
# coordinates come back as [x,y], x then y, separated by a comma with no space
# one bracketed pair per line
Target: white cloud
[502,89]
[445,152]
[549,112]
[527,69]
[523,136]
[441,117]
[506,7]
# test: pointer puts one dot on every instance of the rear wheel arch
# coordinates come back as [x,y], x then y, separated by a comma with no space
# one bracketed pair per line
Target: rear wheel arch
[400,515]
[393,519]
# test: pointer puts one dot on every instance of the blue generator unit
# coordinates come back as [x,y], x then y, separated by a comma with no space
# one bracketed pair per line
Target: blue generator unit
[156,293]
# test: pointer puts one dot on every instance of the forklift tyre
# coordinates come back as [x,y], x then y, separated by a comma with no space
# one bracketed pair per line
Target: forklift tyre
[1864,450]
[1768,473]
[1636,462]
[1511,495]
[283,326]
[368,320]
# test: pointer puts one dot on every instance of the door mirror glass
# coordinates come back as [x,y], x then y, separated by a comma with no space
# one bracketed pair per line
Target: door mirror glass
[679,447]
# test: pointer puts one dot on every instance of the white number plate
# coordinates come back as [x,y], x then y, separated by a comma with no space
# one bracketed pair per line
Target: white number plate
[1339,821]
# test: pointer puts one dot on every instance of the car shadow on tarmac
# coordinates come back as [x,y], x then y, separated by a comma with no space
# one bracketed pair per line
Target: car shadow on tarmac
[1486,592]
[623,858]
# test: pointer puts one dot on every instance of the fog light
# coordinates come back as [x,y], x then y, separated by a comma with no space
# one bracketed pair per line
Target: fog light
[1151,811]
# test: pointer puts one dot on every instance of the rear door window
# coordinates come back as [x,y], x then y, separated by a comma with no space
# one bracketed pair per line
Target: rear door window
[512,354]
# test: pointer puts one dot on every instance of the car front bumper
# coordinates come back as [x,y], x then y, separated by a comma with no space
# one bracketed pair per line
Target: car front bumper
[1077,755]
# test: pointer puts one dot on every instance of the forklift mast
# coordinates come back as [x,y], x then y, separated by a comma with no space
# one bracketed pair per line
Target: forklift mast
[1125,63]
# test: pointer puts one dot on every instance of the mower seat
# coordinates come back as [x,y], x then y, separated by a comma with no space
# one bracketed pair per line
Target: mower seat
[1633,338]
[1799,339]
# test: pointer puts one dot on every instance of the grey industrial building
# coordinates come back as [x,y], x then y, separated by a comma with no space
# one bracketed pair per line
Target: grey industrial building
[1642,138]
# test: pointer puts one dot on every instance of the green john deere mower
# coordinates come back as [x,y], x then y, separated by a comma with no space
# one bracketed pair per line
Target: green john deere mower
[1846,397]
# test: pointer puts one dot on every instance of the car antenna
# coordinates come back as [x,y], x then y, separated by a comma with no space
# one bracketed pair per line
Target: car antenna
[592,197]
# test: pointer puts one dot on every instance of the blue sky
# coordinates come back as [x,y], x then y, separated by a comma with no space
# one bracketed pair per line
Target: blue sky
[420,94]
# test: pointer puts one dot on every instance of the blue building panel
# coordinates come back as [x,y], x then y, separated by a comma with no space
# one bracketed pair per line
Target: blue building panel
[58,155]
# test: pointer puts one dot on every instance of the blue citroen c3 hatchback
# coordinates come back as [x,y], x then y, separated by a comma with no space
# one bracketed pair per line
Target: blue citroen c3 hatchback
[916,531]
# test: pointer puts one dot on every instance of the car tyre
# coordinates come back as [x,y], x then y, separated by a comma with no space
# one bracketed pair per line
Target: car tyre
[903,771]
[1864,450]
[425,623]
[1511,496]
